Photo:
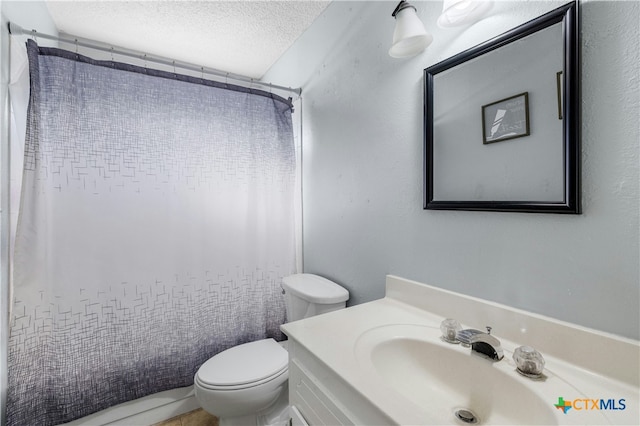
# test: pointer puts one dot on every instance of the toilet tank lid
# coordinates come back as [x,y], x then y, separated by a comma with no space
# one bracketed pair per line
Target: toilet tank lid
[315,289]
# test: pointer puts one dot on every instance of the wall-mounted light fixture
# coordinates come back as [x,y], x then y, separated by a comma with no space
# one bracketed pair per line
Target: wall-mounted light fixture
[462,12]
[409,36]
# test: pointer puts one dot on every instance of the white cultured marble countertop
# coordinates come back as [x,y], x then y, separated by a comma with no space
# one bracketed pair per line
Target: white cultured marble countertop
[332,339]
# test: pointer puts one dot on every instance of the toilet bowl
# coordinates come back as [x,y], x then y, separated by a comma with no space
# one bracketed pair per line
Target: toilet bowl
[244,383]
[248,384]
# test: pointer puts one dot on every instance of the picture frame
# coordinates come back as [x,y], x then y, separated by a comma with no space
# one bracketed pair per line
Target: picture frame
[506,119]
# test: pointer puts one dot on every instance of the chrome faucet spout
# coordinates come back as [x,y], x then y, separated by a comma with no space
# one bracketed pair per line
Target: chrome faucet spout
[488,345]
[482,343]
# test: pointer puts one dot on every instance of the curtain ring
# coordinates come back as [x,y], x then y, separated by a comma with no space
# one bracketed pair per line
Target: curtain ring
[202,73]
[112,60]
[226,80]
[144,57]
[174,69]
[34,34]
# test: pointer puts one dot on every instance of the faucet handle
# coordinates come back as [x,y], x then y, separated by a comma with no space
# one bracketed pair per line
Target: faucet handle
[449,328]
[529,362]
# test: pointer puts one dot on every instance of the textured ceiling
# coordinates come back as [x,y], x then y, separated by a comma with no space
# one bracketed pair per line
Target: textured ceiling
[242,37]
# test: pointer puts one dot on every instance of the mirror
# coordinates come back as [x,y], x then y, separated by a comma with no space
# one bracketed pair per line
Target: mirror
[502,123]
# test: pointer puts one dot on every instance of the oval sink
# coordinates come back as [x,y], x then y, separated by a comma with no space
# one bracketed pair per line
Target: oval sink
[455,386]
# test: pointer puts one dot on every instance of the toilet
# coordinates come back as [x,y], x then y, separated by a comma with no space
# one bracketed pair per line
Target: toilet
[248,384]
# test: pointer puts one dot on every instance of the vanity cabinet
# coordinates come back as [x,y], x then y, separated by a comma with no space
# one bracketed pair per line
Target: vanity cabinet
[321,397]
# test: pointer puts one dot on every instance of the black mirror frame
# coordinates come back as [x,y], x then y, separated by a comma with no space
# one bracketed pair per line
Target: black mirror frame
[571,113]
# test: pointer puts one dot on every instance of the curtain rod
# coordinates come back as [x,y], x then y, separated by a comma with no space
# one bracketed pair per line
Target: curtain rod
[92,44]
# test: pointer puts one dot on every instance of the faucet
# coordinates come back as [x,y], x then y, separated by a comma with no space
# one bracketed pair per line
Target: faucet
[481,342]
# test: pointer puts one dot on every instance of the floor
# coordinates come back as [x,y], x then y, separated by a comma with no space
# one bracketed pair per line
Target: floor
[192,418]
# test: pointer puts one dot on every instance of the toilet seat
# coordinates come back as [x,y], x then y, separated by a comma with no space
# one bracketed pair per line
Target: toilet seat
[284,373]
[244,366]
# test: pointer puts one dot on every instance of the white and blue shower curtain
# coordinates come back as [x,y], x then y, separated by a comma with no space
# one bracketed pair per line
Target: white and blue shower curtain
[156,222]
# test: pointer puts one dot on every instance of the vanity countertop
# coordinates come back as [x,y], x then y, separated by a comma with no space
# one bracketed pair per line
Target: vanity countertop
[333,338]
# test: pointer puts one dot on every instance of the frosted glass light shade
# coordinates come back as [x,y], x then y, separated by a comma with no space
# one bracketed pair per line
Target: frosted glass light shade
[409,36]
[462,12]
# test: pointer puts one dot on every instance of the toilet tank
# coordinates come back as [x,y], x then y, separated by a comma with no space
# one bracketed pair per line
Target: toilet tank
[307,295]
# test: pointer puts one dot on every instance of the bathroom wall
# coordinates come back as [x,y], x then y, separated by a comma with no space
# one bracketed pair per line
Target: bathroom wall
[363,170]
[32,14]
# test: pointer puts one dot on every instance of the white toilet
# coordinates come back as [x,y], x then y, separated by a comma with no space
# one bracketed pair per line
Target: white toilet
[247,384]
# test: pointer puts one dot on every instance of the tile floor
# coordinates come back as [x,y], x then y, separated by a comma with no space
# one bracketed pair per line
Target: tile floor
[192,418]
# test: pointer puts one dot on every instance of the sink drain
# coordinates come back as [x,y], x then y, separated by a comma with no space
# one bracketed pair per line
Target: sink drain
[466,416]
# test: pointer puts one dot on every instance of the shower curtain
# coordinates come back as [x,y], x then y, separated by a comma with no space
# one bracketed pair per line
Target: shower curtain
[156,222]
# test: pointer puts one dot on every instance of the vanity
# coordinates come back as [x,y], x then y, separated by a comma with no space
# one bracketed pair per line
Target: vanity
[384,362]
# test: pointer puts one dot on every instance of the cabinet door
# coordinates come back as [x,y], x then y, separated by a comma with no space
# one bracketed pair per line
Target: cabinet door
[312,401]
[296,417]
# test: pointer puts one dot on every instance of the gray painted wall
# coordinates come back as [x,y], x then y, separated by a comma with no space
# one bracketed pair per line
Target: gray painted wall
[363,166]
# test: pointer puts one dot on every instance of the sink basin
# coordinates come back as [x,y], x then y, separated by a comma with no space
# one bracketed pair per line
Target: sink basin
[455,386]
